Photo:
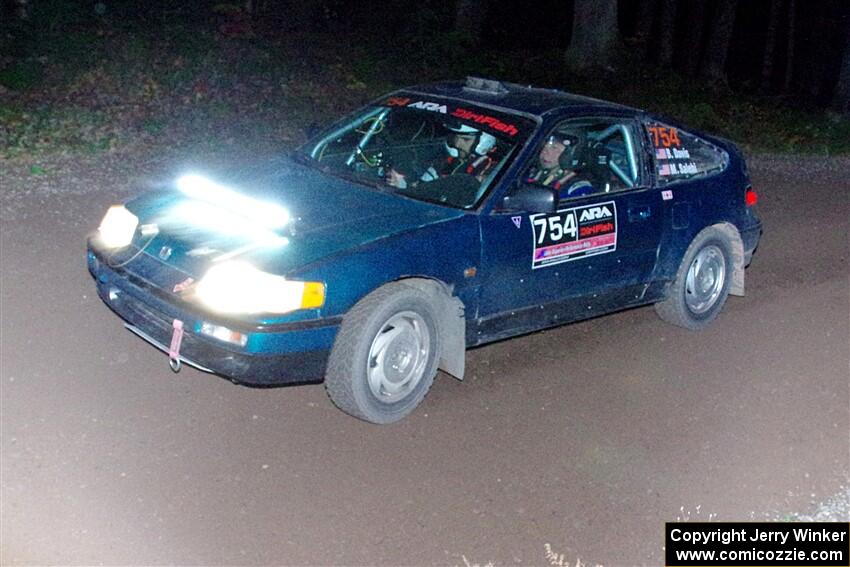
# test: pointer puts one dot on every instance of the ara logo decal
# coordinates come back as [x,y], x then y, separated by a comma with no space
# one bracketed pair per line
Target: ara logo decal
[184,285]
[431,106]
[595,213]
[517,221]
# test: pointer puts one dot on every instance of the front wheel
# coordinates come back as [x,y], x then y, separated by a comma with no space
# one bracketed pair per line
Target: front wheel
[702,282]
[385,356]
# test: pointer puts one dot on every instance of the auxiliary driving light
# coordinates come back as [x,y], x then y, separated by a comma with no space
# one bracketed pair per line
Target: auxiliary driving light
[224,334]
[117,227]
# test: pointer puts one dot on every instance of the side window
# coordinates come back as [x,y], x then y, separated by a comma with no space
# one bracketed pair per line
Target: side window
[680,155]
[585,157]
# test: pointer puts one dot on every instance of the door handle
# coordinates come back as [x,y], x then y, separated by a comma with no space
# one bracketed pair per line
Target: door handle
[639,213]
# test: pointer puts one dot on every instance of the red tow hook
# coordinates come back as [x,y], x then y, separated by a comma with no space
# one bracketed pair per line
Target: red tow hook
[174,350]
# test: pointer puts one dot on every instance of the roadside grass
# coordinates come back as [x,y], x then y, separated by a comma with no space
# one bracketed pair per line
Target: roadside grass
[98,90]
[65,128]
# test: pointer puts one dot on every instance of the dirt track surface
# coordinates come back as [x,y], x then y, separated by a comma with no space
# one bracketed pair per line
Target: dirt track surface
[581,441]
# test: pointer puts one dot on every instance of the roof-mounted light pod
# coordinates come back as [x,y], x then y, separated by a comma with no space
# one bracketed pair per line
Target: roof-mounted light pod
[482,85]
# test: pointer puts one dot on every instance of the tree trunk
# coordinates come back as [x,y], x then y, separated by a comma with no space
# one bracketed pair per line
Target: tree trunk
[693,42]
[768,62]
[22,9]
[789,50]
[645,19]
[841,98]
[595,34]
[469,19]
[666,34]
[714,68]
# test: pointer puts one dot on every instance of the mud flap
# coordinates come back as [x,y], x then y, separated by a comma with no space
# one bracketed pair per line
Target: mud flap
[452,322]
[453,327]
[736,286]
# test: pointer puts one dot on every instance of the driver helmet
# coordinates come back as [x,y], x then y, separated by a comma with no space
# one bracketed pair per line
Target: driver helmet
[484,141]
[572,142]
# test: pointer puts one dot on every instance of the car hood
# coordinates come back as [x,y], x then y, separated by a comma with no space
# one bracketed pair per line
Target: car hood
[328,216]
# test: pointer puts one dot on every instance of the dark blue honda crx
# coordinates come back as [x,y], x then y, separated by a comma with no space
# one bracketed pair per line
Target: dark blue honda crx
[438,218]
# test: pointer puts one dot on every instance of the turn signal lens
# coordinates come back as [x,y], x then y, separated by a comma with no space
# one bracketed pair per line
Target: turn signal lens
[313,295]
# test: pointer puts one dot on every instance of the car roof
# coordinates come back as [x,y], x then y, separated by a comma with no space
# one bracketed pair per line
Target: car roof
[518,98]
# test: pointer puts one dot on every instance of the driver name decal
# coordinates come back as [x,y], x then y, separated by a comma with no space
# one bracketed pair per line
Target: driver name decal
[671,158]
[574,233]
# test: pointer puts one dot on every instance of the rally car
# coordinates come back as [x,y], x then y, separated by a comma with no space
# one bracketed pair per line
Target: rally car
[437,218]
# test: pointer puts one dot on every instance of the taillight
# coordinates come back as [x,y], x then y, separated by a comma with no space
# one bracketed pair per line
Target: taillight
[751,197]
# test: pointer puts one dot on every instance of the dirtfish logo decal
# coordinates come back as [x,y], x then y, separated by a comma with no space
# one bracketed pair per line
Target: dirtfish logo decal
[595,213]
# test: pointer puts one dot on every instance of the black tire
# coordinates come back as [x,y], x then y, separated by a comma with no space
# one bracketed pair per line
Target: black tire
[696,297]
[396,310]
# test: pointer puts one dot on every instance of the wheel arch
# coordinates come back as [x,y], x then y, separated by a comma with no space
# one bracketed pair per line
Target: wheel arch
[450,319]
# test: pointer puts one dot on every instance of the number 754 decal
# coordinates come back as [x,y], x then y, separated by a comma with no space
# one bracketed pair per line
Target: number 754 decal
[574,233]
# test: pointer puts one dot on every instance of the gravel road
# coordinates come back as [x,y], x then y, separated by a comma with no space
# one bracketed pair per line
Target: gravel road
[579,441]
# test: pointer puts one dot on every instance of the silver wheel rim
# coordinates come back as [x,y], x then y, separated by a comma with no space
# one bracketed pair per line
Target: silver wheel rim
[706,278]
[398,357]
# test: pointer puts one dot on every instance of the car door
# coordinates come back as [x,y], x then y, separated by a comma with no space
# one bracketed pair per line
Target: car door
[593,255]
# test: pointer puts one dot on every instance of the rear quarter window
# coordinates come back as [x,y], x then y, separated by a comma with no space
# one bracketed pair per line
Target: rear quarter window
[680,155]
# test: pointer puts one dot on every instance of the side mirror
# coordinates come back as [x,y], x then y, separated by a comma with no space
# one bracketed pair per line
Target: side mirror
[532,199]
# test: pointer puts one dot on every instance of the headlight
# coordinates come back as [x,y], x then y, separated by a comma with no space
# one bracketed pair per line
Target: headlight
[117,227]
[238,287]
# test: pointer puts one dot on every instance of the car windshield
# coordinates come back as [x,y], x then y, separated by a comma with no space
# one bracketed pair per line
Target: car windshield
[424,148]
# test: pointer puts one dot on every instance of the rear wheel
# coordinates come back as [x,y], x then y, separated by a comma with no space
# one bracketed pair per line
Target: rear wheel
[702,282]
[385,356]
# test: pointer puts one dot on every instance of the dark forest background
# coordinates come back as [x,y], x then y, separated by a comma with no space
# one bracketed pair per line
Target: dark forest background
[771,74]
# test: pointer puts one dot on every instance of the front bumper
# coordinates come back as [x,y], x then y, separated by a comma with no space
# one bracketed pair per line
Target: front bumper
[284,354]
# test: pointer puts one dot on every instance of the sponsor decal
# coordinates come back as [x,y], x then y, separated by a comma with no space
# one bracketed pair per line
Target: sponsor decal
[517,221]
[574,233]
[397,101]
[485,120]
[430,106]
[667,195]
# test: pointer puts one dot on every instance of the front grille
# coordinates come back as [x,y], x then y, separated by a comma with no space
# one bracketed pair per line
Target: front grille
[153,318]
